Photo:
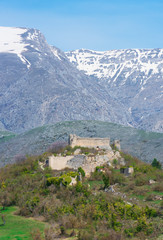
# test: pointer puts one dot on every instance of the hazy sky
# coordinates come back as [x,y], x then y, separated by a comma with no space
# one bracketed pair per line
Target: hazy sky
[92,24]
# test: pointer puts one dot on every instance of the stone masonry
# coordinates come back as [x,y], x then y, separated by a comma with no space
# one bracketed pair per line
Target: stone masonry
[103,143]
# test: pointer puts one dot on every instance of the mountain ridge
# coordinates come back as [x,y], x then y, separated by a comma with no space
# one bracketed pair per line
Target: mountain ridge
[47,88]
[130,76]
[39,86]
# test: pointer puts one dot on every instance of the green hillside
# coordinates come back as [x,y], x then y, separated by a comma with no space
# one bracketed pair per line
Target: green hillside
[106,205]
[144,145]
[6,135]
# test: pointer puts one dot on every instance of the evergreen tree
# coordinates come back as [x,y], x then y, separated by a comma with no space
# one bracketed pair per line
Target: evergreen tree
[156,163]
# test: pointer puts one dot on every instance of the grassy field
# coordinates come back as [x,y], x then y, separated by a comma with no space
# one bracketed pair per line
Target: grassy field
[17,227]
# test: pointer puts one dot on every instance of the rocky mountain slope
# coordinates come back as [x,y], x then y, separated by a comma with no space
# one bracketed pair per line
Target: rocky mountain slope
[132,76]
[39,85]
[145,145]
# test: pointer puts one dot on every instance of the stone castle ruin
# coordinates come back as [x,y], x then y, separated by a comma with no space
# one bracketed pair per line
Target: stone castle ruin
[103,143]
[90,161]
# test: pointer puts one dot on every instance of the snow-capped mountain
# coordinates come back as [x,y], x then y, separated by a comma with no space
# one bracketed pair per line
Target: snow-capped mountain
[132,76]
[111,64]
[39,85]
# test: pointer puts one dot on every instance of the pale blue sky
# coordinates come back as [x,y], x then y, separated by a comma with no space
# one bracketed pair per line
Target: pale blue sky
[92,24]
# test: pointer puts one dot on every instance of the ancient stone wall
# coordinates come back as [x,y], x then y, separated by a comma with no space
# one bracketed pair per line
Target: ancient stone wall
[89,142]
[59,162]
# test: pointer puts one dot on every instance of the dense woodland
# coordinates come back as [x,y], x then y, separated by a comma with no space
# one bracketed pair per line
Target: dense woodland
[87,210]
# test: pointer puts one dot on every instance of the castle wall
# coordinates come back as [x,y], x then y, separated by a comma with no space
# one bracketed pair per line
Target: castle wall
[59,163]
[89,142]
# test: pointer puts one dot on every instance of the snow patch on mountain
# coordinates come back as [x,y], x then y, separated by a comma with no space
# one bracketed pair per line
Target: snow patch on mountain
[55,52]
[11,40]
[112,64]
[132,76]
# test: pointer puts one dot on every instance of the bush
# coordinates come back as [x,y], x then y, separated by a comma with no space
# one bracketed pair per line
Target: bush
[80,170]
[141,180]
[158,187]
[106,181]
[85,235]
[119,178]
[156,163]
[96,176]
[140,191]
[53,180]
[57,147]
[36,235]
[150,197]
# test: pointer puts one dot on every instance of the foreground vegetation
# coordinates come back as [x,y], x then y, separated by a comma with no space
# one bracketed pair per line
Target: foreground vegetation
[87,210]
[18,227]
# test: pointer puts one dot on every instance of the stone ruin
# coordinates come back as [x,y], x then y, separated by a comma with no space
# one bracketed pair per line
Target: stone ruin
[127,170]
[87,162]
[103,143]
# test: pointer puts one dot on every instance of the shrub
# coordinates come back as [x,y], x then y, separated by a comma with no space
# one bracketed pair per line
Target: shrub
[150,197]
[115,162]
[156,163]
[79,187]
[150,212]
[141,180]
[80,170]
[142,225]
[96,176]
[158,187]
[70,222]
[85,235]
[52,232]
[106,181]
[36,234]
[129,232]
[140,191]
[53,180]
[119,178]
[57,147]
[62,230]
[66,180]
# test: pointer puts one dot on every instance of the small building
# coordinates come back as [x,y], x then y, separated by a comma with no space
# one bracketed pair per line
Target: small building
[127,170]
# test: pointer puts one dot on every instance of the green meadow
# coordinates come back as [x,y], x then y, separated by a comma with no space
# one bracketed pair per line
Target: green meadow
[17,227]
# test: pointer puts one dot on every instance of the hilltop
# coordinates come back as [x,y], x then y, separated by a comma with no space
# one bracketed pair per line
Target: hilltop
[144,145]
[106,205]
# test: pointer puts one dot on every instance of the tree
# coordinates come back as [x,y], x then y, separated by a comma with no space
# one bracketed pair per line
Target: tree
[156,163]
[80,170]
[106,180]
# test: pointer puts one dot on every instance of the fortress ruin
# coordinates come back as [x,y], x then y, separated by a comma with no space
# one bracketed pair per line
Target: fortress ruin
[87,162]
[103,143]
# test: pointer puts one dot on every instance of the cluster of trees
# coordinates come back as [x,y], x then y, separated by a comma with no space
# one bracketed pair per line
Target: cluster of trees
[90,213]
